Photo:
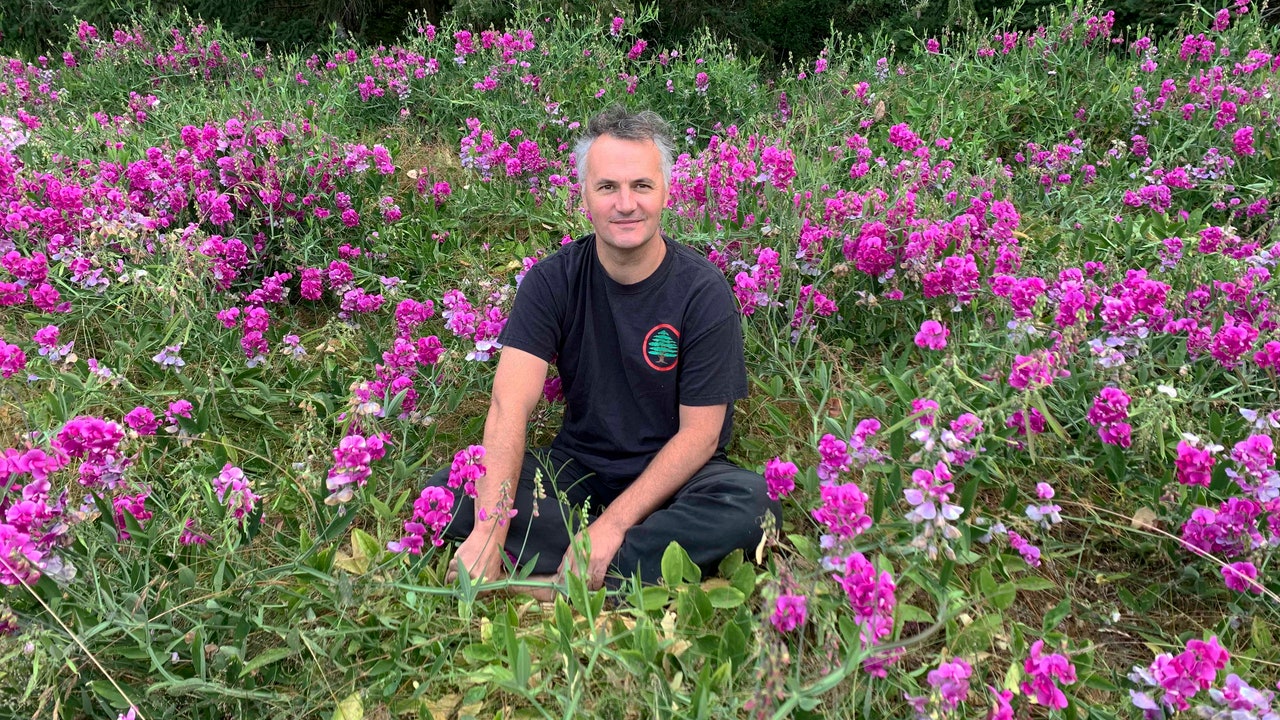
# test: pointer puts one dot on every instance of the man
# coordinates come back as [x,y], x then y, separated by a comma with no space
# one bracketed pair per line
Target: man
[646,336]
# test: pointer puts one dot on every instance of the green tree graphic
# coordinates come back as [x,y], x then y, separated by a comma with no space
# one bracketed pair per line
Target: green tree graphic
[663,346]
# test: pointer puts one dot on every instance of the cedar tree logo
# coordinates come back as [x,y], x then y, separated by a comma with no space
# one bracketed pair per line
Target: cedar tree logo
[662,347]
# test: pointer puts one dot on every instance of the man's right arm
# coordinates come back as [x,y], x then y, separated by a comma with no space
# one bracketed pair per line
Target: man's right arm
[517,385]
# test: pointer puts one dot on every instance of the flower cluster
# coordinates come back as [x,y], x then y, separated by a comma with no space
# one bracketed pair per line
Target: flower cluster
[432,512]
[1043,674]
[31,519]
[1178,678]
[467,468]
[236,492]
[789,612]
[351,460]
[932,510]
[948,688]
[780,477]
[1109,414]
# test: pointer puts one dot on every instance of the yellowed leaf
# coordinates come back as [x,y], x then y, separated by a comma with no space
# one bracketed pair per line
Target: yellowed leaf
[350,709]
[1144,519]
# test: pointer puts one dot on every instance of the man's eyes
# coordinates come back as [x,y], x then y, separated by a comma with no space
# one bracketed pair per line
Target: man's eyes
[604,187]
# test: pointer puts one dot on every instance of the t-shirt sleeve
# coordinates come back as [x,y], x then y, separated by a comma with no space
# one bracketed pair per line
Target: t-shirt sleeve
[534,323]
[712,365]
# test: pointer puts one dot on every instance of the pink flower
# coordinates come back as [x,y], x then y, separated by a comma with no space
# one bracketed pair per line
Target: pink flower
[932,335]
[466,469]
[1194,463]
[12,359]
[779,477]
[1002,709]
[951,681]
[431,511]
[1242,141]
[1110,405]
[1035,371]
[234,491]
[1044,672]
[143,420]
[789,612]
[1242,577]
[843,510]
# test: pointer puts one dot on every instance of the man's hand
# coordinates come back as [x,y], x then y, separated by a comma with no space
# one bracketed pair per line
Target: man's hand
[605,541]
[479,556]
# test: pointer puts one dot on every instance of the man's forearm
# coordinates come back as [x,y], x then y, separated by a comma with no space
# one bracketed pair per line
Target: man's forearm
[683,455]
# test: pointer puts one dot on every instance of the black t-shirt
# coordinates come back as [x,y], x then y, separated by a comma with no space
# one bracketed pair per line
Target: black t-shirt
[630,355]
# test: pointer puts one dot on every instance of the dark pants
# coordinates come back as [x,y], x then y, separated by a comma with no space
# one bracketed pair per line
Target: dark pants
[720,509]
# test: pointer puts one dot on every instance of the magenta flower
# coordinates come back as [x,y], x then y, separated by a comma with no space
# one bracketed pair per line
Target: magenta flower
[134,505]
[142,420]
[1002,708]
[20,559]
[1035,371]
[1242,141]
[789,612]
[1043,673]
[351,460]
[1179,677]
[12,359]
[843,510]
[834,458]
[234,491]
[932,335]
[1242,577]
[1195,461]
[466,469]
[780,477]
[951,682]
[431,511]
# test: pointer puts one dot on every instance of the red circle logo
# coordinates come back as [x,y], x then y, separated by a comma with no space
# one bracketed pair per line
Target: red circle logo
[662,347]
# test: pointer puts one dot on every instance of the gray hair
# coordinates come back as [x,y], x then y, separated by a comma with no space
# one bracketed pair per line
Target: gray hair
[618,122]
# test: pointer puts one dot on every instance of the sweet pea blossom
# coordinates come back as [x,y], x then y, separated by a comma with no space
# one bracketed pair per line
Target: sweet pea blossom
[780,477]
[432,511]
[1242,577]
[789,612]
[1044,672]
[932,335]
[467,468]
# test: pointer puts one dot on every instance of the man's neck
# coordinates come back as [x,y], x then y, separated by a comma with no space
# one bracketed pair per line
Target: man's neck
[629,268]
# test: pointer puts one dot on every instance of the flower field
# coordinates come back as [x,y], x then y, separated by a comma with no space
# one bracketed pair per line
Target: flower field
[1012,324]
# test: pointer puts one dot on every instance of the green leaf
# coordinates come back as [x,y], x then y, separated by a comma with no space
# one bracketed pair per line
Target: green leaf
[1034,583]
[672,566]
[904,613]
[1056,615]
[264,659]
[733,645]
[1004,596]
[726,597]
[655,597]
[744,578]
[107,691]
[986,582]
[677,567]
[1260,633]
[365,545]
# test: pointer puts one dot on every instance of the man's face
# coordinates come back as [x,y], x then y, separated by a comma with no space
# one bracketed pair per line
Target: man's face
[625,192]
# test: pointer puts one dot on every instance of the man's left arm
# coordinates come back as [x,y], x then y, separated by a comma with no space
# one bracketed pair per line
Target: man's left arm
[683,455]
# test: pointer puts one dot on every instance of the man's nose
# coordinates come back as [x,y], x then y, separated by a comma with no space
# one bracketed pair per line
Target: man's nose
[626,200]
